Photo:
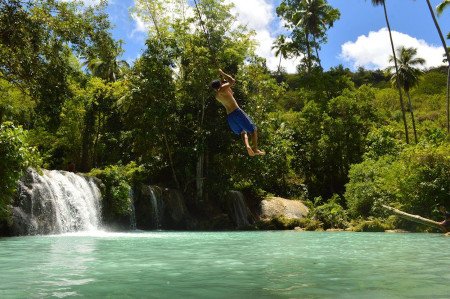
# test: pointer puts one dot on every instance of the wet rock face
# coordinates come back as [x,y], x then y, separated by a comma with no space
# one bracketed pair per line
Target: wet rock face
[176,214]
[33,212]
[273,207]
[238,210]
[161,208]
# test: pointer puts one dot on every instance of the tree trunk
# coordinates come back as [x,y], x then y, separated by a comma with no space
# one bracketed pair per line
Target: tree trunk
[199,179]
[169,154]
[89,124]
[448,99]
[279,65]
[412,116]
[396,71]
[447,54]
[308,54]
[416,218]
[155,23]
[2,113]
[95,155]
[317,52]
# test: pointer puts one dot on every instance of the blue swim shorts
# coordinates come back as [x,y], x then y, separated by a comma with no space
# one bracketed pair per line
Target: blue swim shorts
[240,122]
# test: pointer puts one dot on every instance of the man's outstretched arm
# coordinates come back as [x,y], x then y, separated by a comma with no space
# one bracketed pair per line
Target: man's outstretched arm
[230,79]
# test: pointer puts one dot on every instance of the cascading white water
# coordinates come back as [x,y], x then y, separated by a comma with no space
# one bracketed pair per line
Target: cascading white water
[57,202]
[76,198]
[238,208]
[155,208]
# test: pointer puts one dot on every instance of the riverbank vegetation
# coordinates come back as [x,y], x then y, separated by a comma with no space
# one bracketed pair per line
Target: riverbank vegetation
[337,139]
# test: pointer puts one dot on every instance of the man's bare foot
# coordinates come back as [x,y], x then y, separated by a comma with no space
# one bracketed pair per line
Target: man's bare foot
[259,152]
[250,152]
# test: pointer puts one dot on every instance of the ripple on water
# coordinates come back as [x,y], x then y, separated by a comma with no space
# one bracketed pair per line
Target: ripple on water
[225,265]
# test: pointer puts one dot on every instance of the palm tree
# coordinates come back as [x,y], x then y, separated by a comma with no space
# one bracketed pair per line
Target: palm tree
[109,70]
[382,2]
[408,75]
[315,17]
[440,9]
[281,47]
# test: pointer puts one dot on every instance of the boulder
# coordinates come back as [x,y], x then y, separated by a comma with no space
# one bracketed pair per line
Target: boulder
[276,207]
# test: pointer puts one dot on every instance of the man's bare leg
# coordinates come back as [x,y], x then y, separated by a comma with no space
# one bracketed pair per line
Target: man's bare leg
[247,145]
[255,144]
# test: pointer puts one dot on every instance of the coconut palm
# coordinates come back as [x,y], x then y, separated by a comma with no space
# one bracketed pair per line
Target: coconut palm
[315,17]
[408,74]
[109,70]
[281,47]
[440,8]
[383,3]
[309,21]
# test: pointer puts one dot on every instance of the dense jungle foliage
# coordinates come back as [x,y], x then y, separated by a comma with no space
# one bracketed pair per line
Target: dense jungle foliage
[335,138]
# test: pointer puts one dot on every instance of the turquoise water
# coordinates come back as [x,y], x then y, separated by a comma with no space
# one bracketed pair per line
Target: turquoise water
[226,265]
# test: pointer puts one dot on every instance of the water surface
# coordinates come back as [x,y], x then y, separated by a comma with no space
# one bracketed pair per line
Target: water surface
[281,264]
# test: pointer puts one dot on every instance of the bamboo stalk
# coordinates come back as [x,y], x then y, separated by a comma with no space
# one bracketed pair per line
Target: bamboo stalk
[416,218]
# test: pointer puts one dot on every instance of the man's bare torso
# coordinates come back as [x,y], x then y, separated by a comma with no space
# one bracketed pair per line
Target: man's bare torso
[225,96]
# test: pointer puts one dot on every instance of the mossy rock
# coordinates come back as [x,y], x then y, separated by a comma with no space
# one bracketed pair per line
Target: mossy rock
[278,223]
[371,225]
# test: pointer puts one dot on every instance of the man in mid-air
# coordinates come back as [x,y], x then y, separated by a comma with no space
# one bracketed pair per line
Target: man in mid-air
[240,123]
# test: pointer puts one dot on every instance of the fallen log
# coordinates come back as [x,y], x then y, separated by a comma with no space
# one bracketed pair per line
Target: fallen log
[417,219]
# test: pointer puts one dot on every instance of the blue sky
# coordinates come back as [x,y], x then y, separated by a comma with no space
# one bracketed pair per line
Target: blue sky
[357,39]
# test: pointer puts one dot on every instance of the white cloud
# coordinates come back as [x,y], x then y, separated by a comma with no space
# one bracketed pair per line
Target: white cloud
[140,26]
[372,51]
[172,11]
[258,15]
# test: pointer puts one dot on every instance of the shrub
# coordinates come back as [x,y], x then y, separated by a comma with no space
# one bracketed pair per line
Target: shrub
[383,141]
[426,182]
[310,224]
[16,156]
[117,180]
[331,214]
[416,181]
[372,181]
[372,225]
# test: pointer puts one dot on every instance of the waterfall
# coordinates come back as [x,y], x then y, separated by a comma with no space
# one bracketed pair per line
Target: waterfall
[133,212]
[160,208]
[238,209]
[56,202]
[156,207]
[149,207]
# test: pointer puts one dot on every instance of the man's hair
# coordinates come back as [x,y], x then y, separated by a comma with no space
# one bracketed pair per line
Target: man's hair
[215,84]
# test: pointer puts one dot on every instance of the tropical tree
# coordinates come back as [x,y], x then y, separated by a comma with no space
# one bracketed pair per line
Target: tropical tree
[408,74]
[402,106]
[309,21]
[281,47]
[37,44]
[315,17]
[183,56]
[103,62]
[440,8]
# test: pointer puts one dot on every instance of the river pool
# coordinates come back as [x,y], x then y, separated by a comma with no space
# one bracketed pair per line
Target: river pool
[279,264]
